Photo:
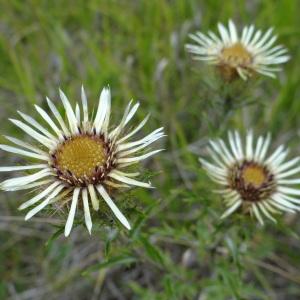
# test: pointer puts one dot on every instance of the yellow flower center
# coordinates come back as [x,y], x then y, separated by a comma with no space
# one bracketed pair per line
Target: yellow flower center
[253,181]
[81,155]
[254,175]
[236,55]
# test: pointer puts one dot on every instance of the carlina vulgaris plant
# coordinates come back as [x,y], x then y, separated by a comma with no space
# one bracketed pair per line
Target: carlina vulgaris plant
[239,56]
[252,181]
[81,160]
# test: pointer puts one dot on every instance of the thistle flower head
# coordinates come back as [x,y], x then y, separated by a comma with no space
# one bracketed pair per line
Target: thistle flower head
[234,55]
[251,180]
[81,158]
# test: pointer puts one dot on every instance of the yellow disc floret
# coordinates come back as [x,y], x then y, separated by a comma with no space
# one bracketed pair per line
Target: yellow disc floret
[236,55]
[254,175]
[81,155]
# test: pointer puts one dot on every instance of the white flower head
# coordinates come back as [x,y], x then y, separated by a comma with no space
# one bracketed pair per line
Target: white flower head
[80,158]
[261,185]
[234,55]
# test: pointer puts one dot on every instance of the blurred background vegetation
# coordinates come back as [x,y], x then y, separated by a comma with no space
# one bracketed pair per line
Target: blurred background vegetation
[178,248]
